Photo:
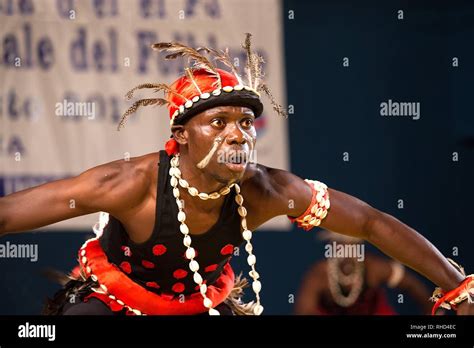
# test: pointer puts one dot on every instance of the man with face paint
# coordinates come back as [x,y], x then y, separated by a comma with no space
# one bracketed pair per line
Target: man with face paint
[175,217]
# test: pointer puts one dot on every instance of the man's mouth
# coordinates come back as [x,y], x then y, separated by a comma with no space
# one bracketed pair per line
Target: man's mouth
[236,157]
[236,160]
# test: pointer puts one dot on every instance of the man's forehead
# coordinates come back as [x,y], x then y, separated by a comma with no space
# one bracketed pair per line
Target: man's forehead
[229,110]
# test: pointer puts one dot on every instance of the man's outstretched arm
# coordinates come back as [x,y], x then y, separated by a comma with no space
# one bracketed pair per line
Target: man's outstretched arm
[112,187]
[351,216]
[390,235]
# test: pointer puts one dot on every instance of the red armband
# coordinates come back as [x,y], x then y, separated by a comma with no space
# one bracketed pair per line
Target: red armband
[318,208]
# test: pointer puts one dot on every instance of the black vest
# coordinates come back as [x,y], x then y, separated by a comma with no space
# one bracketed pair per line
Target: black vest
[159,264]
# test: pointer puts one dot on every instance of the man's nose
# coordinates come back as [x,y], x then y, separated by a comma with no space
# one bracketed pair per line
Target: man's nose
[236,136]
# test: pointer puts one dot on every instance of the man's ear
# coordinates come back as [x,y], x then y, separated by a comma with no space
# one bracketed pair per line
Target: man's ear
[179,134]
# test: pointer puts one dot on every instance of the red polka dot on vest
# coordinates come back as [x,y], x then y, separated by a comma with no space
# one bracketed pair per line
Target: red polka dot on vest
[178,287]
[126,267]
[152,285]
[180,273]
[211,268]
[227,250]
[159,249]
[148,264]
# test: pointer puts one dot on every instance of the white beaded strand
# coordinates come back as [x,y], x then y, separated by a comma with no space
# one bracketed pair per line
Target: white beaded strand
[175,174]
[176,180]
[251,259]
[190,252]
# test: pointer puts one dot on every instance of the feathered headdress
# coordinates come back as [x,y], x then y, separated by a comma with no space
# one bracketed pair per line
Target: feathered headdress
[204,86]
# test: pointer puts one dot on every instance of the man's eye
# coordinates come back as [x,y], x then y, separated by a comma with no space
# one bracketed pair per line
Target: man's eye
[247,123]
[217,123]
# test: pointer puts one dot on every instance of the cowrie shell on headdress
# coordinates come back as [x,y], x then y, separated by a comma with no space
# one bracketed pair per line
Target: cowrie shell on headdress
[216,92]
[205,95]
[188,104]
[238,87]
[228,88]
[195,99]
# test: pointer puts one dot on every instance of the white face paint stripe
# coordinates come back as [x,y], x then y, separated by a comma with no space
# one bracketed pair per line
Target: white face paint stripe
[205,160]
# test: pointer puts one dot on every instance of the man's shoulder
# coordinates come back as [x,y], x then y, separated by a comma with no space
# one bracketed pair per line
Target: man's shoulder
[256,177]
[121,184]
[128,172]
[272,190]
[137,165]
[265,184]
[144,165]
[264,178]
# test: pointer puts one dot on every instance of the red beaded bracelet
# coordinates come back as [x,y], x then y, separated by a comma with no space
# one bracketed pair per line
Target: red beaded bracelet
[452,298]
[318,208]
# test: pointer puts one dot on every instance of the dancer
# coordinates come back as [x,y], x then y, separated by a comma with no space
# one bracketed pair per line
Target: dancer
[174,217]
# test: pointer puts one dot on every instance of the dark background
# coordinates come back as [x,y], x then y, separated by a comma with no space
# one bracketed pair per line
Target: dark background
[337,110]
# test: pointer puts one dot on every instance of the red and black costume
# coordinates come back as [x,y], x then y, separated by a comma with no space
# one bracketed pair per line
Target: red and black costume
[159,265]
[161,258]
